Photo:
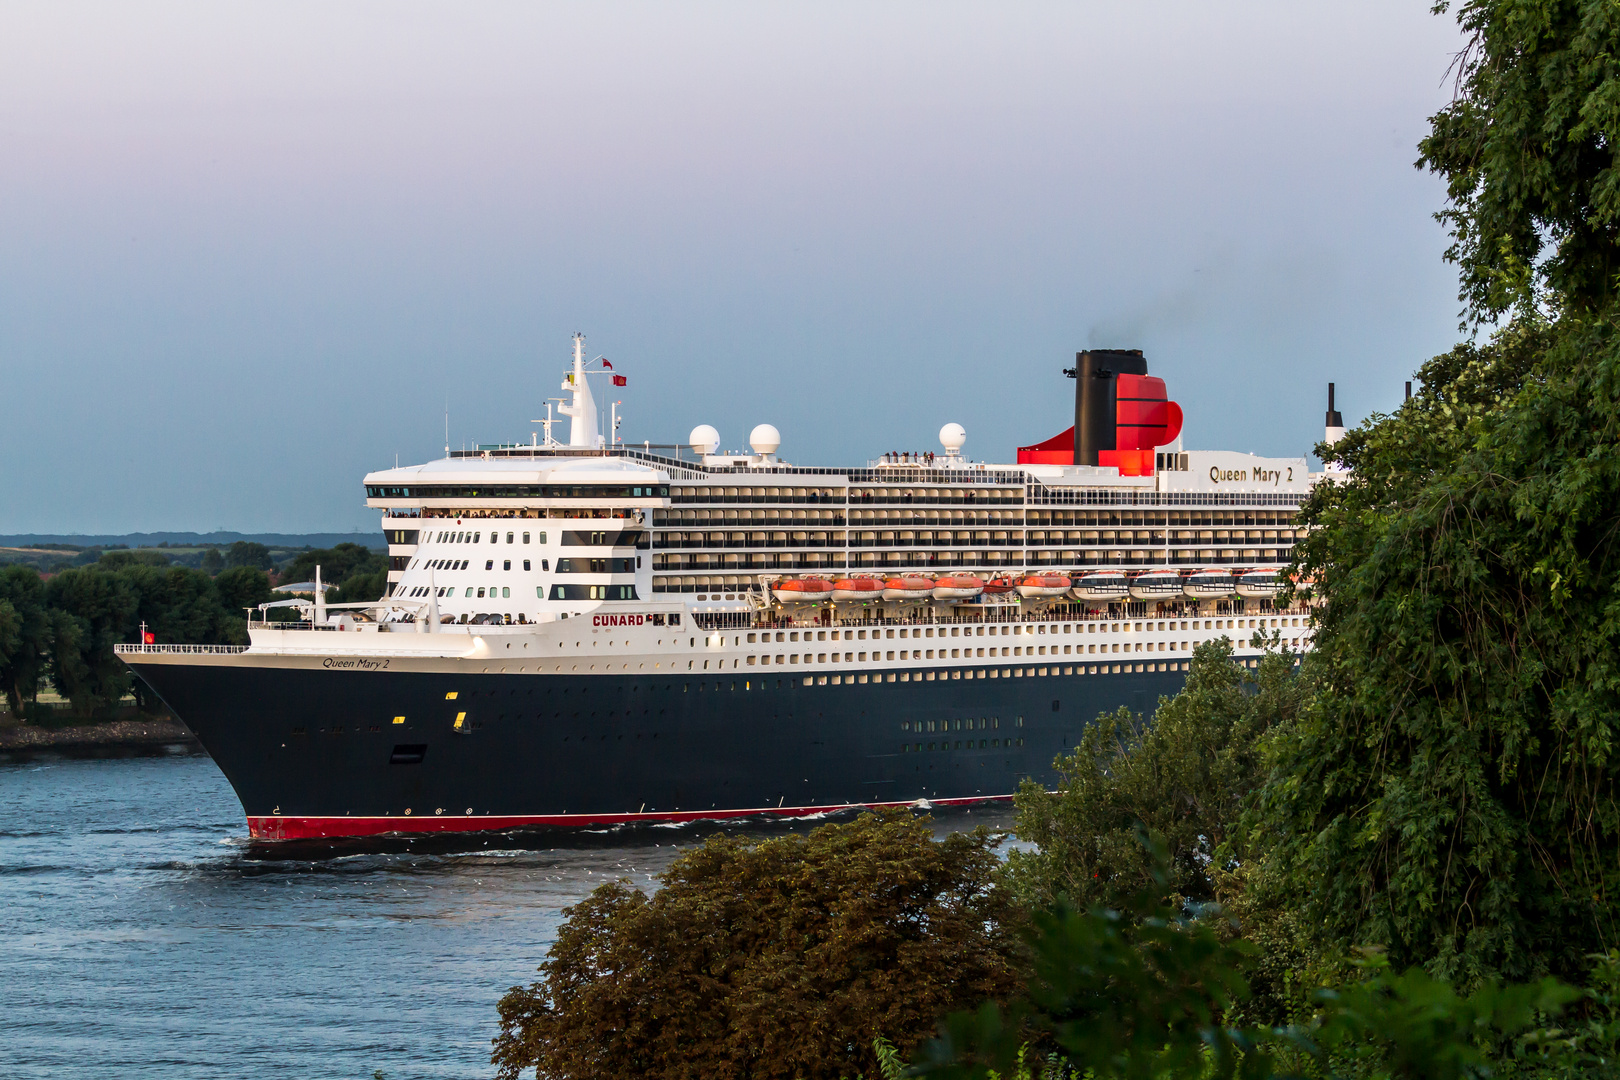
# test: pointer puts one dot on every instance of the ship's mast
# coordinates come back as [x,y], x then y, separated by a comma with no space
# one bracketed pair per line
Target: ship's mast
[583,431]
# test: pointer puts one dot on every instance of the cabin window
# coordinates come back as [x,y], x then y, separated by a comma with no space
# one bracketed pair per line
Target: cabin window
[506,592]
[469,597]
[489,564]
[475,537]
[506,565]
[545,564]
[508,538]
[480,594]
[525,538]
[542,538]
[525,564]
[540,591]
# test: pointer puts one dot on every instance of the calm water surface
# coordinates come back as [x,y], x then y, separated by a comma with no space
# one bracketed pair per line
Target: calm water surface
[142,936]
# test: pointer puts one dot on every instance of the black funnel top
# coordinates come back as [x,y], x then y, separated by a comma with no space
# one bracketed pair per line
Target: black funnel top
[1095,398]
[1333,417]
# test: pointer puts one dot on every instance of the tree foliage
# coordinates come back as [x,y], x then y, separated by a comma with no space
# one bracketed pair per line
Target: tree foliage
[248,553]
[1144,992]
[64,629]
[1530,152]
[782,958]
[338,564]
[1185,776]
[1451,794]
[25,636]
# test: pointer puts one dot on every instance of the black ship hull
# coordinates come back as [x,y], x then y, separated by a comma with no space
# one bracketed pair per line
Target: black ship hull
[328,753]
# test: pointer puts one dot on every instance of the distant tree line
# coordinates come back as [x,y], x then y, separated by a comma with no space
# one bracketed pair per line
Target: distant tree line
[61,630]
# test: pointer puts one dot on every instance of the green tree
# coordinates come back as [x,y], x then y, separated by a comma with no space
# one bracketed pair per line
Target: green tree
[92,610]
[1529,148]
[782,958]
[358,587]
[338,564]
[243,587]
[1186,777]
[1143,992]
[117,560]
[212,561]
[248,553]
[25,645]
[1451,793]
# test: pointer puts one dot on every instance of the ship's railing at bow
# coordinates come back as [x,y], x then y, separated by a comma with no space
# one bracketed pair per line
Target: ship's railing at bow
[218,650]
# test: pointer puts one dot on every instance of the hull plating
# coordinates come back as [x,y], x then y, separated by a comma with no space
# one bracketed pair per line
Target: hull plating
[322,753]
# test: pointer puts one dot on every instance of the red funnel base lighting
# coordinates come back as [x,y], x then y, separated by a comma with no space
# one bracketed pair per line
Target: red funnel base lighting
[1058,450]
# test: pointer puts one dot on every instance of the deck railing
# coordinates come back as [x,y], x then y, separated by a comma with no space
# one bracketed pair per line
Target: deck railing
[206,650]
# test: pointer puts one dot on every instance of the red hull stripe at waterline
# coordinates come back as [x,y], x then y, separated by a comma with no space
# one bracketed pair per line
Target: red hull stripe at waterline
[333,828]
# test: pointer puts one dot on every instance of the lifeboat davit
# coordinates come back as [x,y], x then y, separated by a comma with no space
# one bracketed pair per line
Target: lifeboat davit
[996,586]
[802,590]
[1104,585]
[1157,585]
[907,588]
[1208,585]
[1043,586]
[1261,584]
[857,588]
[957,588]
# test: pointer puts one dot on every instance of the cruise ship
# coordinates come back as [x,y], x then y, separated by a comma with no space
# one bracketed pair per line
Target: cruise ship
[593,632]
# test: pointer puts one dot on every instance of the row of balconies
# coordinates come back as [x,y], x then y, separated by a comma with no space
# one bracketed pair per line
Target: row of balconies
[837,496]
[931,518]
[1221,519]
[970,538]
[732,562]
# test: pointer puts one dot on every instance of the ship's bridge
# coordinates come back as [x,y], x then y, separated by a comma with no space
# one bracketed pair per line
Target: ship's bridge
[491,490]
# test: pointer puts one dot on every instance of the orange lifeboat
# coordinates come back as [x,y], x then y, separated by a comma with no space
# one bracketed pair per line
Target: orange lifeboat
[908,588]
[957,588]
[1000,585]
[1043,586]
[802,590]
[859,588]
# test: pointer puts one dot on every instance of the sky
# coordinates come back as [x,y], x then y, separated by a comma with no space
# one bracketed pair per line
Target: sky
[251,251]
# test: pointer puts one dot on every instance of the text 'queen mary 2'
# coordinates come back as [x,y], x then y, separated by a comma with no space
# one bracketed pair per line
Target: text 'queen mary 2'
[592,632]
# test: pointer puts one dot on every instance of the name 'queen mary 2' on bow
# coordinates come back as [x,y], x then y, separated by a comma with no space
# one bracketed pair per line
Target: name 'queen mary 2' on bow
[592,632]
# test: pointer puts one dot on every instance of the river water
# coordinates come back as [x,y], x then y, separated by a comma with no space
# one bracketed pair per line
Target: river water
[141,935]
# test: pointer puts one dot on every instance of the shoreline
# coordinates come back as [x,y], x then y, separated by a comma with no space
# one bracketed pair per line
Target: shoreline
[143,737]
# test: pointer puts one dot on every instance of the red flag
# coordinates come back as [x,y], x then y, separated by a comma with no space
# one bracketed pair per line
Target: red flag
[620,380]
[149,638]
[606,364]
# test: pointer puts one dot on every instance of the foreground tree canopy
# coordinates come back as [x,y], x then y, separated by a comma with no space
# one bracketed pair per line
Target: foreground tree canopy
[782,958]
[1451,794]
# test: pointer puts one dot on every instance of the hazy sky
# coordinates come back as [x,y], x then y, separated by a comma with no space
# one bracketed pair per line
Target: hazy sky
[249,251]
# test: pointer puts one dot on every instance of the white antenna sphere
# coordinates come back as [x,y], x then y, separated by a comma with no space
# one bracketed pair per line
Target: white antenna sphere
[952,437]
[704,439]
[765,439]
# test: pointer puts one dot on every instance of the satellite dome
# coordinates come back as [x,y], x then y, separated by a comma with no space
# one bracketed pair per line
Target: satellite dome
[952,437]
[704,439]
[764,439]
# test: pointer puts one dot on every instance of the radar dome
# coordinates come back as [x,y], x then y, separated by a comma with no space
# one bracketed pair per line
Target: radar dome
[704,439]
[952,437]
[765,439]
